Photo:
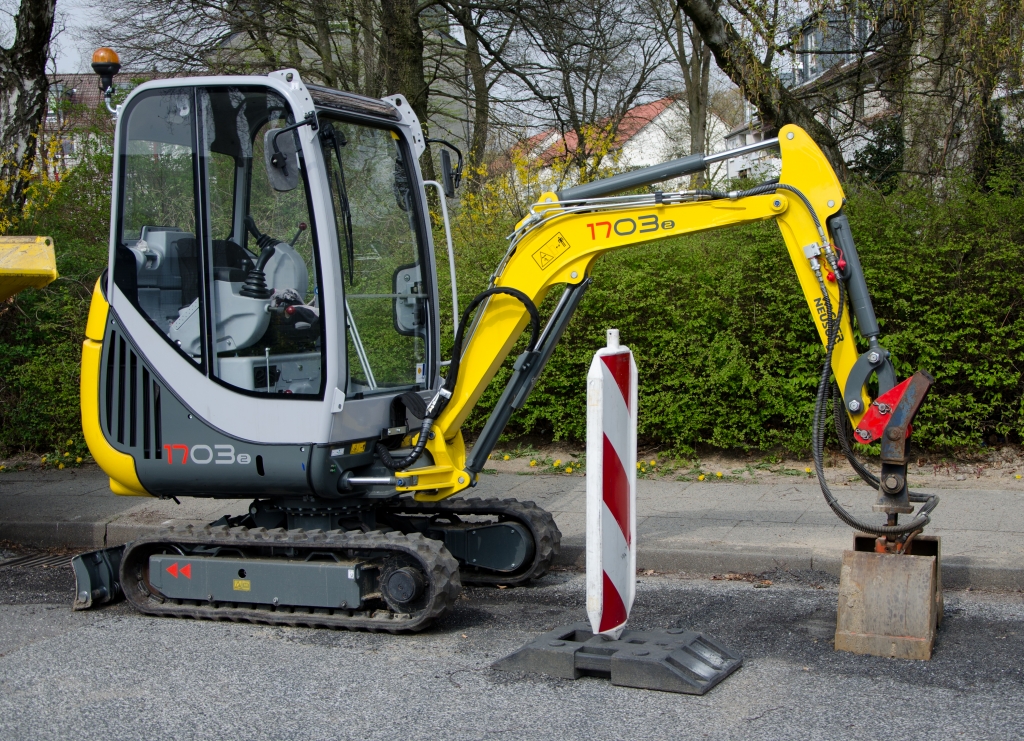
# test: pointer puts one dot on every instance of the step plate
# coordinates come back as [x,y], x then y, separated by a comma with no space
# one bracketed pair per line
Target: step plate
[261,581]
[673,660]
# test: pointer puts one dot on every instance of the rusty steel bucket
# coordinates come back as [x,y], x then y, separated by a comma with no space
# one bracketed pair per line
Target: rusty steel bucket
[890,604]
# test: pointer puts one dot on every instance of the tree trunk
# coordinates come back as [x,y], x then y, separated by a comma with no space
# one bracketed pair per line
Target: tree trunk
[322,14]
[23,88]
[697,98]
[776,105]
[402,50]
[481,105]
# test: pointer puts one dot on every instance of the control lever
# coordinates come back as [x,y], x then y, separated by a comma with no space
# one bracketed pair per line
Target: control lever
[256,282]
[302,228]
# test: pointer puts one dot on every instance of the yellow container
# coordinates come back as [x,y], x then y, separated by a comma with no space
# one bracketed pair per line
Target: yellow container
[25,262]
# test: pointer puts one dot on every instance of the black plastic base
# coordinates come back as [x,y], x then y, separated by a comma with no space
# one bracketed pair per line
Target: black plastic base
[673,660]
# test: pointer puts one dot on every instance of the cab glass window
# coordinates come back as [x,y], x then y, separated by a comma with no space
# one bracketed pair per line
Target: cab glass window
[263,271]
[157,259]
[387,300]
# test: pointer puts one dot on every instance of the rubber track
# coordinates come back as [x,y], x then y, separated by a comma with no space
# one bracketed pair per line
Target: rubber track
[547,537]
[435,560]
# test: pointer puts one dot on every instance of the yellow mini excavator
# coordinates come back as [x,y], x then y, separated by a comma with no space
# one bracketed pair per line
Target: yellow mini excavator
[269,327]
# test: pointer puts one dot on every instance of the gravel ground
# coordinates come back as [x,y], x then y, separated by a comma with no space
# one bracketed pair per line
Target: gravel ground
[113,674]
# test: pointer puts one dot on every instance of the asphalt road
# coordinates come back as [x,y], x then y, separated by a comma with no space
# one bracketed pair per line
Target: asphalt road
[112,674]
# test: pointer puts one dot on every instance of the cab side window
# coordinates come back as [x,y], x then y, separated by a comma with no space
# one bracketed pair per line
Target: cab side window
[387,299]
[261,246]
[158,263]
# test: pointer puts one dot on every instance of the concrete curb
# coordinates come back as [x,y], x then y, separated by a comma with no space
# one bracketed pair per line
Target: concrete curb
[958,572]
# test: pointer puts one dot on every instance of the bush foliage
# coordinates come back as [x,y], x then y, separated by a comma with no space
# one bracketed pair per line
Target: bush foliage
[727,353]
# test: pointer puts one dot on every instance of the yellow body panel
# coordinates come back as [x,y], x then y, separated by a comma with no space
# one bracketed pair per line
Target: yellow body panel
[120,467]
[563,250]
[25,262]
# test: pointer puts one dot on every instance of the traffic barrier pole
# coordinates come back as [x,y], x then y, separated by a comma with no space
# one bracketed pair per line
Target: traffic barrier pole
[611,487]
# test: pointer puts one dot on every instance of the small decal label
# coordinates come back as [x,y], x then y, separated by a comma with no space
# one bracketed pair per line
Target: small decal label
[358,447]
[203,454]
[242,585]
[550,250]
[337,451]
[185,570]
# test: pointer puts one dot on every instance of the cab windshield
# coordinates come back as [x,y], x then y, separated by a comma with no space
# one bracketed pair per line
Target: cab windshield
[387,300]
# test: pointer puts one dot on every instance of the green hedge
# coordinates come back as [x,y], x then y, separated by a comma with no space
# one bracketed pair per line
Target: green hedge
[41,332]
[726,349]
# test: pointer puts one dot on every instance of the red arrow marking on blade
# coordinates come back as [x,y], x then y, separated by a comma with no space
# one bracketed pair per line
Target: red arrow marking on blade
[173,569]
[186,571]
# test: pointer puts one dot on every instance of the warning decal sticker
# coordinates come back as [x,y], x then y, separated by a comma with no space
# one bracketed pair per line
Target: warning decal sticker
[241,585]
[550,250]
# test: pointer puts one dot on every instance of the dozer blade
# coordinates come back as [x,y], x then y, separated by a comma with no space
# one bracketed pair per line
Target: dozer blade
[97,578]
[25,262]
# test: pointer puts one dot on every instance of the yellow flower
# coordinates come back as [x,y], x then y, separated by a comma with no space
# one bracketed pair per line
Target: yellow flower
[61,466]
[506,457]
[43,459]
[71,442]
[638,464]
[78,459]
[808,469]
[700,478]
[568,469]
[1017,476]
[66,454]
[558,462]
[654,463]
[3,468]
[718,474]
[533,464]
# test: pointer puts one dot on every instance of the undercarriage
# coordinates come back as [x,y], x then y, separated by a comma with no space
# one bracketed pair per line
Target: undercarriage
[394,565]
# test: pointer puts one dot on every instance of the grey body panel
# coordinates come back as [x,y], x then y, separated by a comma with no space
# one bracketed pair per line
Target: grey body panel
[176,452]
[264,581]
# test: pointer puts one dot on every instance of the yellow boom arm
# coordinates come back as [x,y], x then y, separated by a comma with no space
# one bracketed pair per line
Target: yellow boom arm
[558,245]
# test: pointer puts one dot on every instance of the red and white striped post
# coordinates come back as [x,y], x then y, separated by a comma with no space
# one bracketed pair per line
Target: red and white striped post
[611,487]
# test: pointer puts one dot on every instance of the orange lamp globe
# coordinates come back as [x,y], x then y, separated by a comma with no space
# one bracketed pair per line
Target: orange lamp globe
[106,64]
[105,55]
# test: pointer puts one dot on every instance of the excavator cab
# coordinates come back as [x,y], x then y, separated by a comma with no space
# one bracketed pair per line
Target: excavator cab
[271,287]
[267,325]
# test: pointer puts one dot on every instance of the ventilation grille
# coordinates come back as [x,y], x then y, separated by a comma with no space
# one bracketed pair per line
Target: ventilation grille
[131,399]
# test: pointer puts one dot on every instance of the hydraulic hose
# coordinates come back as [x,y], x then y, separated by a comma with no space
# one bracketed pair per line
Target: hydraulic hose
[818,439]
[437,405]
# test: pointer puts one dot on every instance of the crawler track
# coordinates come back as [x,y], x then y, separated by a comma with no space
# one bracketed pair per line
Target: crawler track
[437,564]
[547,537]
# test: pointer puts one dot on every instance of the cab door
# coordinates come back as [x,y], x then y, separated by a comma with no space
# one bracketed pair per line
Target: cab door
[389,290]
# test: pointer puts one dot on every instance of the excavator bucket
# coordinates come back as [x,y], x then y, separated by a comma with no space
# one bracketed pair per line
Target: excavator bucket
[890,604]
[25,262]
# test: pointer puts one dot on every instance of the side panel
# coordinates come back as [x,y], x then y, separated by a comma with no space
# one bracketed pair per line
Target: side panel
[175,451]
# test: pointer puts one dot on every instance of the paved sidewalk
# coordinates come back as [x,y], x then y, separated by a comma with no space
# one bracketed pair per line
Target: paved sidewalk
[700,527]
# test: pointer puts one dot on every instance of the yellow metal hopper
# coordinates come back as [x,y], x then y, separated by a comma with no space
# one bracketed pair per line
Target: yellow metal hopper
[25,262]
